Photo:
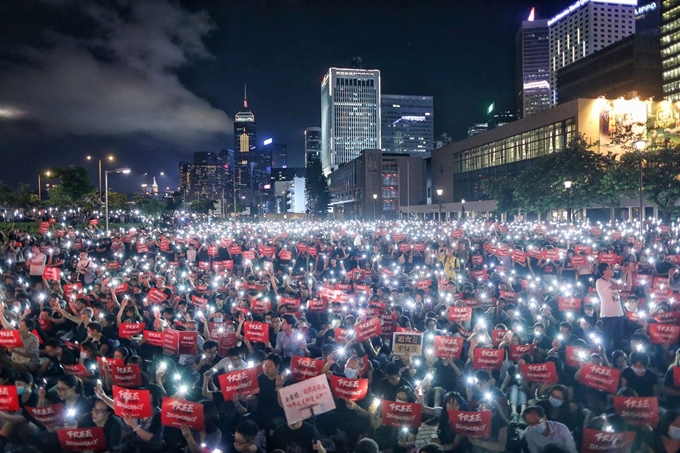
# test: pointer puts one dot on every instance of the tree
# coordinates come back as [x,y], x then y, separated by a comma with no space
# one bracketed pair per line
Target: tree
[316,188]
[202,206]
[74,185]
[501,190]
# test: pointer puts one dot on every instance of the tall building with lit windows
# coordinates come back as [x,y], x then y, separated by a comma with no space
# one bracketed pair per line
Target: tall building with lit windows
[350,115]
[532,66]
[245,142]
[670,48]
[407,123]
[584,28]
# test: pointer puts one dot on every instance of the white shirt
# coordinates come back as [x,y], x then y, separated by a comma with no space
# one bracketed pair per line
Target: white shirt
[37,264]
[559,434]
[610,304]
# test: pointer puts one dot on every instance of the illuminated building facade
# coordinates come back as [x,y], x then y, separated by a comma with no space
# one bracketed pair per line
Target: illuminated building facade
[312,143]
[407,123]
[350,115]
[207,177]
[245,143]
[532,50]
[670,48]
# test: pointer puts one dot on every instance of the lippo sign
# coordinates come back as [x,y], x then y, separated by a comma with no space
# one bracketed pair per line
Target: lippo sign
[304,367]
[82,439]
[349,389]
[471,424]
[367,329]
[399,415]
[541,373]
[242,382]
[487,359]
[638,411]
[600,377]
[137,403]
[447,347]
[598,441]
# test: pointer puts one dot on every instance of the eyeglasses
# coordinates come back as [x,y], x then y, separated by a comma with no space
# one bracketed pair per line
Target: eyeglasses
[62,389]
[99,411]
[236,442]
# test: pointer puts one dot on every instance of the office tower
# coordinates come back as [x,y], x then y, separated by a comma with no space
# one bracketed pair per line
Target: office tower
[670,48]
[532,51]
[278,153]
[584,28]
[477,128]
[350,115]
[245,136]
[312,143]
[407,123]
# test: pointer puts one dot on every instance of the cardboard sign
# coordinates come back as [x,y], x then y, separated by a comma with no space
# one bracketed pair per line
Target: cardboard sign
[367,329]
[82,439]
[9,398]
[52,273]
[130,330]
[471,423]
[447,347]
[128,376]
[176,412]
[304,367]
[600,377]
[188,343]
[156,296]
[241,382]
[541,373]
[516,351]
[48,416]
[601,441]
[154,338]
[664,333]
[306,398]
[349,389]
[407,343]
[487,359]
[638,411]
[460,314]
[256,332]
[569,304]
[10,339]
[401,415]
[137,403]
[171,342]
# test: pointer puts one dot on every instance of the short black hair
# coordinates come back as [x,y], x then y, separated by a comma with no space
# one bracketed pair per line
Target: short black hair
[209,344]
[290,319]
[248,429]
[538,410]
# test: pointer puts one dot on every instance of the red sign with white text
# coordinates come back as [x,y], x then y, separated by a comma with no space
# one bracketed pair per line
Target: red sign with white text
[137,403]
[48,416]
[349,389]
[10,339]
[156,296]
[367,329]
[471,423]
[176,412]
[127,375]
[82,439]
[256,332]
[400,415]
[569,304]
[188,342]
[171,342]
[610,442]
[664,333]
[242,382]
[488,359]
[153,338]
[447,347]
[9,398]
[600,377]
[130,330]
[460,314]
[304,367]
[516,351]
[541,373]
[638,411]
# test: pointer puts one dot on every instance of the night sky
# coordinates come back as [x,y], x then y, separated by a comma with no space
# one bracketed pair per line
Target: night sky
[152,81]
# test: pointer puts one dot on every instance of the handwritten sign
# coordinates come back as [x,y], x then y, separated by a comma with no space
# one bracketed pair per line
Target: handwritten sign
[407,343]
[304,399]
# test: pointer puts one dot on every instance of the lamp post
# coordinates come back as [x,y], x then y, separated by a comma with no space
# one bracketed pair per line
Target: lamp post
[375,202]
[440,191]
[110,159]
[462,210]
[48,174]
[640,146]
[567,186]
[106,191]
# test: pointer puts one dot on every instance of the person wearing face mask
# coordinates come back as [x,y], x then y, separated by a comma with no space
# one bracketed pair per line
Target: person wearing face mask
[17,425]
[666,436]
[541,432]
[639,377]
[559,408]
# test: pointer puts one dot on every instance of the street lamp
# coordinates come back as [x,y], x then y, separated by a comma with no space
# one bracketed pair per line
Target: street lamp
[567,186]
[48,174]
[375,198]
[640,146]
[462,210]
[440,191]
[106,191]
[110,159]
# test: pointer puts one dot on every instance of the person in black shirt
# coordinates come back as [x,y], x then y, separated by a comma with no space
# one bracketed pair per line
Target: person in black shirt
[387,387]
[102,416]
[56,356]
[17,424]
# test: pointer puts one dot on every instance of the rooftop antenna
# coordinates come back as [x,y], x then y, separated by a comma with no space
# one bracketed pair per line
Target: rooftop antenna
[245,96]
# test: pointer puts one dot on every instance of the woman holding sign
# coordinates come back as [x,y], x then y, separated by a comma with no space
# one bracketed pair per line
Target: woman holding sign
[499,430]
[102,416]
[449,440]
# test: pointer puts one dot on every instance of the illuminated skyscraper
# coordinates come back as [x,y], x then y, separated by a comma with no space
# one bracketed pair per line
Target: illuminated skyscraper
[407,123]
[245,136]
[350,115]
[532,52]
[670,48]
[312,143]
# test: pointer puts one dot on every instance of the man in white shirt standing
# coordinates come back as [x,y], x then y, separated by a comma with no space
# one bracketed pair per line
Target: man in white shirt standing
[36,263]
[611,309]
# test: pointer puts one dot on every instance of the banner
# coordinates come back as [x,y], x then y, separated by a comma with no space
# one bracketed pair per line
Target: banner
[447,347]
[401,415]
[367,330]
[471,423]
[241,382]
[541,373]
[248,255]
[638,411]
[498,336]
[306,398]
[600,377]
[575,355]
[600,441]
[137,403]
[516,351]
[156,296]
[126,376]
[663,333]
[77,370]
[52,273]
[188,343]
[171,342]
[407,343]
[82,439]
[176,412]
[130,330]
[460,314]
[291,303]
[349,389]
[487,359]
[256,332]
[9,398]
[153,338]
[48,416]
[304,367]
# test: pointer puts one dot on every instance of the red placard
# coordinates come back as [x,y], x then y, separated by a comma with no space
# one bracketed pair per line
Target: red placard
[447,347]
[400,415]
[256,332]
[541,373]
[249,255]
[52,273]
[498,336]
[104,362]
[286,255]
[488,359]
[519,256]
[341,335]
[142,247]
[44,227]
[600,377]
[9,398]
[176,412]
[516,351]
[212,251]
[82,439]
[367,329]
[78,370]
[199,302]
[304,367]
[291,304]
[260,306]
[638,411]
[569,303]
[471,423]
[188,342]
[94,221]
[171,342]
[477,259]
[129,330]
[121,289]
[127,375]
[48,416]
[349,389]
[460,314]
[575,355]
[10,339]
[137,403]
[235,250]
[664,333]
[611,442]
[609,258]
[579,260]
[153,338]
[242,382]
[156,296]
[317,305]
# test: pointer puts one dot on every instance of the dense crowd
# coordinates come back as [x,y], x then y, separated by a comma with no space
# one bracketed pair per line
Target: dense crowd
[242,337]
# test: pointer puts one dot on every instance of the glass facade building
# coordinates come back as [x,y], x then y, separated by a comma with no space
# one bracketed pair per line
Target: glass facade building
[670,48]
[533,67]
[312,143]
[407,123]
